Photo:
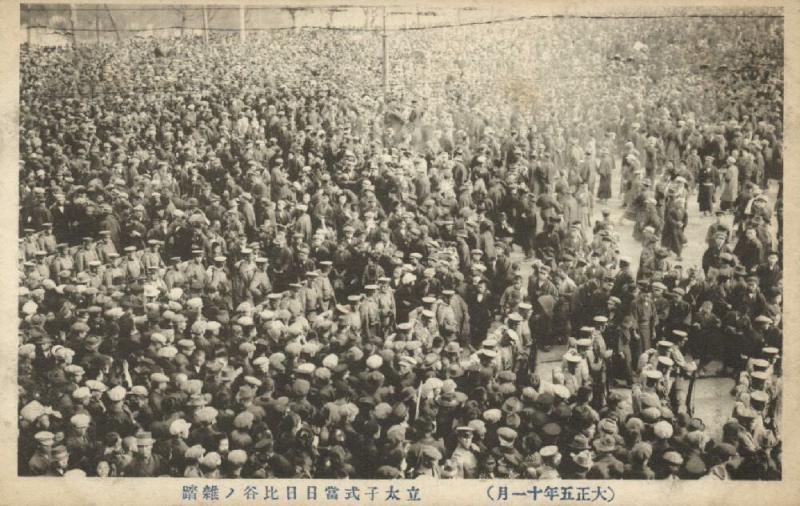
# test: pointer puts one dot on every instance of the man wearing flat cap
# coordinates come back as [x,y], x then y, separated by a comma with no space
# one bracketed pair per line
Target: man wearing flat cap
[505,451]
[80,446]
[60,461]
[424,429]
[42,458]
[259,284]
[118,418]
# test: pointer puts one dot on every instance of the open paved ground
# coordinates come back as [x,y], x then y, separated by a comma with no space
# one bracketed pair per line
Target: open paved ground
[712,399]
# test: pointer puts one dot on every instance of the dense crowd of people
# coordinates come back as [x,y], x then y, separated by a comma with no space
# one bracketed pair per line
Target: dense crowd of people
[240,260]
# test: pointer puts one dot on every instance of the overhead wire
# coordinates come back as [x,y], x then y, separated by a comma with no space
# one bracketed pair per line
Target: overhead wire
[505,20]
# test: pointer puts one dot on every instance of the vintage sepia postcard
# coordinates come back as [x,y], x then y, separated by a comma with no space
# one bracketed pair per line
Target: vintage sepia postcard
[397,252]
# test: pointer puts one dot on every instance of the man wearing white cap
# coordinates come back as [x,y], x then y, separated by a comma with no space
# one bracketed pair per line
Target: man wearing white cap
[427,326]
[151,258]
[259,284]
[310,295]
[730,185]
[445,315]
[176,447]
[195,272]
[131,265]
[78,443]
[218,278]
[174,277]
[40,461]
[385,299]
[118,417]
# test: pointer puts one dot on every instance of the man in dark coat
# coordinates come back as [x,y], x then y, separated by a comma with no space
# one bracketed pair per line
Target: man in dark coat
[145,464]
[749,250]
[675,221]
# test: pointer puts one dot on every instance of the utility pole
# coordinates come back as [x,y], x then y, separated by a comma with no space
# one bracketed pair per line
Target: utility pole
[205,25]
[385,59]
[97,27]
[73,21]
[28,29]
[385,109]
[242,32]
[113,23]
